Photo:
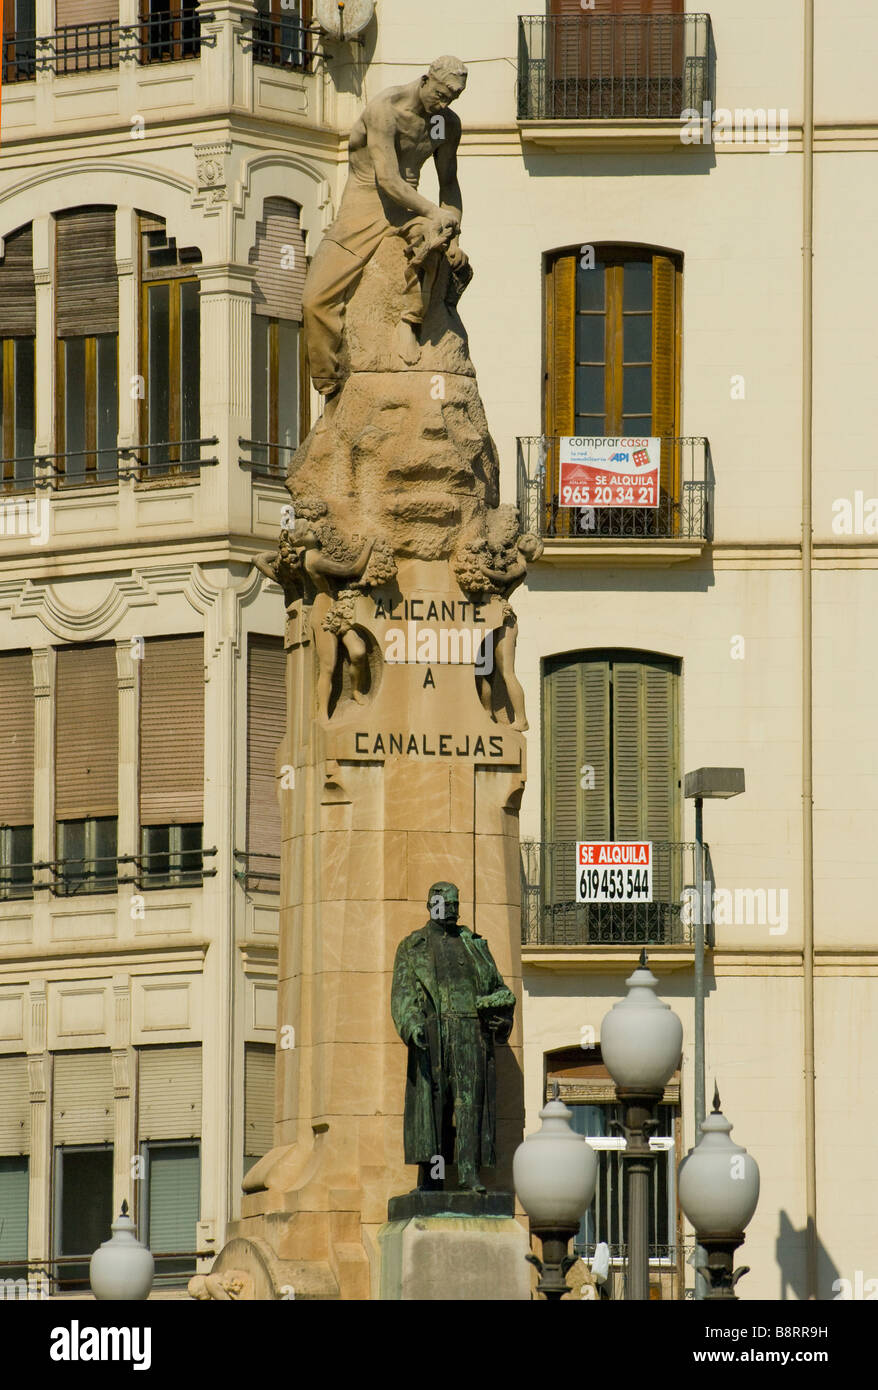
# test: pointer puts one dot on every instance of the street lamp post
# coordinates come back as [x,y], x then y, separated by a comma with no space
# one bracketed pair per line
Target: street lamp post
[718,1183]
[716,783]
[554,1172]
[641,1042]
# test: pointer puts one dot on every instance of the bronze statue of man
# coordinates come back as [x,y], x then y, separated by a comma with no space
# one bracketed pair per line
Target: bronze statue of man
[399,130]
[450,1005]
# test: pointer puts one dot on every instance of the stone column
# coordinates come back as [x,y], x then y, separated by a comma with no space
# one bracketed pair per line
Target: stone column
[44,763]
[44,348]
[225,382]
[127,1174]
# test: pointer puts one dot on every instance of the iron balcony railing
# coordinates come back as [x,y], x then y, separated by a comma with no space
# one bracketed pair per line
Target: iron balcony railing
[684,511]
[78,468]
[282,41]
[19,57]
[87,47]
[168,36]
[99,873]
[551,916]
[258,872]
[267,460]
[586,67]
[29,1280]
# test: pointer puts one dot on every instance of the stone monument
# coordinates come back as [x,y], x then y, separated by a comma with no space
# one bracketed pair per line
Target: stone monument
[404,734]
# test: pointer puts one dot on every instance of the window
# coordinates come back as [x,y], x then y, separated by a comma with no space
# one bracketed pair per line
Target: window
[169,31]
[16,775]
[86,851]
[83,1209]
[266,725]
[618,58]
[87,325]
[17,331]
[258,1101]
[86,35]
[279,376]
[15,1127]
[169,1130]
[171,760]
[171,1208]
[171,855]
[19,40]
[83,1111]
[606,1220]
[612,368]
[279,37]
[610,772]
[171,350]
[88,408]
[86,768]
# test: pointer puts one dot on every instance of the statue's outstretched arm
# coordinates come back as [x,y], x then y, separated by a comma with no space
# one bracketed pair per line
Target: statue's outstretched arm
[343,569]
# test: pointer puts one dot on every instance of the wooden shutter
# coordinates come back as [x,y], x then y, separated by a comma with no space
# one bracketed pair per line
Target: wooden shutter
[258,1098]
[18,299]
[266,725]
[84,11]
[664,367]
[82,1098]
[172,731]
[169,1088]
[644,750]
[576,734]
[16,739]
[14,1106]
[560,352]
[86,285]
[14,1194]
[86,732]
[277,288]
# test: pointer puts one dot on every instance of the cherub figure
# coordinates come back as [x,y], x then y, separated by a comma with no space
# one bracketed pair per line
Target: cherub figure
[315,559]
[502,561]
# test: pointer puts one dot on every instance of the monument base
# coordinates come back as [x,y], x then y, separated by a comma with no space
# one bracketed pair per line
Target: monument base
[427,1202]
[456,1258]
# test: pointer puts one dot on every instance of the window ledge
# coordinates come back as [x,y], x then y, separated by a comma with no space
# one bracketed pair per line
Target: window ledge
[624,551]
[647,133]
[606,960]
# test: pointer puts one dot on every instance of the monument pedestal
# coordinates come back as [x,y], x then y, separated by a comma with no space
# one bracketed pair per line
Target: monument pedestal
[454,1258]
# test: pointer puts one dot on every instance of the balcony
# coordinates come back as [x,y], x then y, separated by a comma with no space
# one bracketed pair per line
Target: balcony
[677,529]
[633,75]
[551,916]
[86,47]
[18,55]
[282,42]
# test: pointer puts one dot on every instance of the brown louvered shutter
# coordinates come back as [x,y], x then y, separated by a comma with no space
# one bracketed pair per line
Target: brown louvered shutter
[664,367]
[560,351]
[576,748]
[86,287]
[645,741]
[16,739]
[172,731]
[279,257]
[84,11]
[18,300]
[86,732]
[14,1108]
[266,723]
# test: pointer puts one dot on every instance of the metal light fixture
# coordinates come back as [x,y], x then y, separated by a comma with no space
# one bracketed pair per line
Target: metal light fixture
[715,784]
[122,1268]
[554,1172]
[718,1183]
[641,1043]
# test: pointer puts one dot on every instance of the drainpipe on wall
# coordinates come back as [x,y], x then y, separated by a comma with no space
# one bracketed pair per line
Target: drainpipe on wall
[807,660]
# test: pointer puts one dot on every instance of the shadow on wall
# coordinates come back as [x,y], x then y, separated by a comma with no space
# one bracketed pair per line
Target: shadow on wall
[791,1258]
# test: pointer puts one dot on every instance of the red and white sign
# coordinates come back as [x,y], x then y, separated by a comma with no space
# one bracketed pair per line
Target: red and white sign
[600,472]
[610,871]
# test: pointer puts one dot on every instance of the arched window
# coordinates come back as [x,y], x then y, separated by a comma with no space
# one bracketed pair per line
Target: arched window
[170,349]
[87,331]
[17,333]
[279,380]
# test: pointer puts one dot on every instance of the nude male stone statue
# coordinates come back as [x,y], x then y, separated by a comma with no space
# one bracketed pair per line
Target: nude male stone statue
[390,143]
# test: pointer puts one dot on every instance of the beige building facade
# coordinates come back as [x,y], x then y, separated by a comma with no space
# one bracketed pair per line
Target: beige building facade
[630,281]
